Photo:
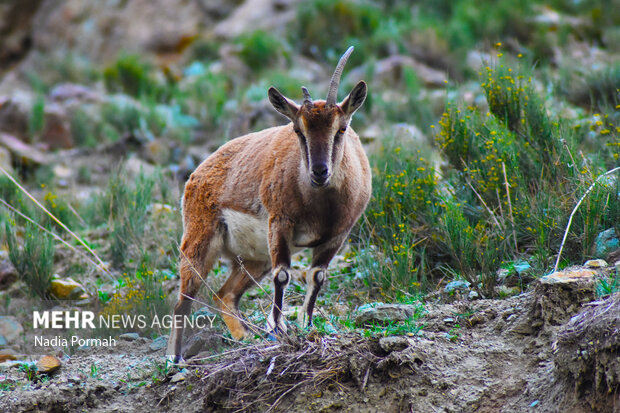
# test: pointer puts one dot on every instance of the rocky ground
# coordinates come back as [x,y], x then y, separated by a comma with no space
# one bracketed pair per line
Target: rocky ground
[551,349]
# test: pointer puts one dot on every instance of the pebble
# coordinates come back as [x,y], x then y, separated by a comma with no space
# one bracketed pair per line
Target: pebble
[180,376]
[48,364]
[595,264]
[453,286]
[129,336]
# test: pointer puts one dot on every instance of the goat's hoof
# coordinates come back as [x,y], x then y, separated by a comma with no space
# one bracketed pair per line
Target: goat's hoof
[275,334]
[178,359]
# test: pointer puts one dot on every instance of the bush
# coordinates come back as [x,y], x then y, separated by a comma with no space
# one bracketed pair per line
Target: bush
[598,89]
[34,260]
[391,238]
[36,120]
[329,27]
[141,294]
[507,190]
[204,97]
[130,75]
[260,50]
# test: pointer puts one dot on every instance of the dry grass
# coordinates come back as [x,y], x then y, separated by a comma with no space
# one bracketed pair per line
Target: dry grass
[259,377]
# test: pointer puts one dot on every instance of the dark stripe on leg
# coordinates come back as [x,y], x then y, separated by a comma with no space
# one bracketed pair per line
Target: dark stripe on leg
[315,292]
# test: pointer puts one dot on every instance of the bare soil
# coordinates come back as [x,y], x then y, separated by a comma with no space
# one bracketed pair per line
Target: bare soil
[484,356]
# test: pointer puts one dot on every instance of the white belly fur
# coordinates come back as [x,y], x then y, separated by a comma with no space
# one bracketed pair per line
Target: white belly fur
[247,235]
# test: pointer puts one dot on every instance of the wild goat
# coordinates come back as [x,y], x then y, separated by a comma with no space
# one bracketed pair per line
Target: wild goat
[263,196]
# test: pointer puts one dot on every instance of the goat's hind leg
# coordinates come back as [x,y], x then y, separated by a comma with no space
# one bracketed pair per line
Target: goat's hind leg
[243,276]
[197,259]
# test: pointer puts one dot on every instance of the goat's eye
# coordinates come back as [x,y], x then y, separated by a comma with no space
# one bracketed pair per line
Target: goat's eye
[339,133]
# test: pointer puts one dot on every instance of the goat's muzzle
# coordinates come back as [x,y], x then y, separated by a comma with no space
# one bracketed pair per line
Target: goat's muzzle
[320,175]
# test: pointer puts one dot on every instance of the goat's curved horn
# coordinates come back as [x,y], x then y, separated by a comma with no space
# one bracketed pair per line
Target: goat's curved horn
[307,98]
[332,95]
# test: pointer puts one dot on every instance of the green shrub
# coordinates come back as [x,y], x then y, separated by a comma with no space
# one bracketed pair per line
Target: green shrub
[124,117]
[328,27]
[34,260]
[204,50]
[204,97]
[127,206]
[84,130]
[142,293]
[391,238]
[594,89]
[260,50]
[130,75]
[36,120]
[507,190]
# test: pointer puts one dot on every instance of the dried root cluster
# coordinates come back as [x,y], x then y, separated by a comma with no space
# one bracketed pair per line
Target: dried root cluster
[258,378]
[588,348]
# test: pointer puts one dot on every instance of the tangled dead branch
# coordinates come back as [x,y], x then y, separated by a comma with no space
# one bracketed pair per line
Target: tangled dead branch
[258,378]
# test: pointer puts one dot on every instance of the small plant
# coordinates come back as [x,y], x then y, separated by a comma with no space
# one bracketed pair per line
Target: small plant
[327,26]
[191,94]
[36,120]
[30,369]
[454,333]
[596,89]
[391,249]
[94,370]
[141,294]
[607,286]
[161,370]
[34,260]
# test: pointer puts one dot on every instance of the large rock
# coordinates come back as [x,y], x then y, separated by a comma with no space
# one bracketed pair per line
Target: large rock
[606,242]
[100,30]
[15,30]
[205,340]
[67,289]
[159,343]
[10,328]
[390,70]
[26,154]
[252,15]
[56,133]
[71,93]
[383,313]
[14,113]
[8,274]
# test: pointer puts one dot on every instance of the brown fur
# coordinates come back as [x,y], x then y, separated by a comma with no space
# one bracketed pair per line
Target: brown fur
[264,176]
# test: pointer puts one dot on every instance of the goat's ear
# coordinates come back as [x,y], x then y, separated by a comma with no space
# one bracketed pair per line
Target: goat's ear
[355,99]
[283,105]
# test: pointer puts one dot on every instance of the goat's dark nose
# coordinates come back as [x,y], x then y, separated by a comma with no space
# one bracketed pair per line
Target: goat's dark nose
[320,170]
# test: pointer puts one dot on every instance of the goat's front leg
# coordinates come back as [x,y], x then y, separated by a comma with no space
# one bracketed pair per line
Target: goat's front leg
[280,232]
[321,257]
